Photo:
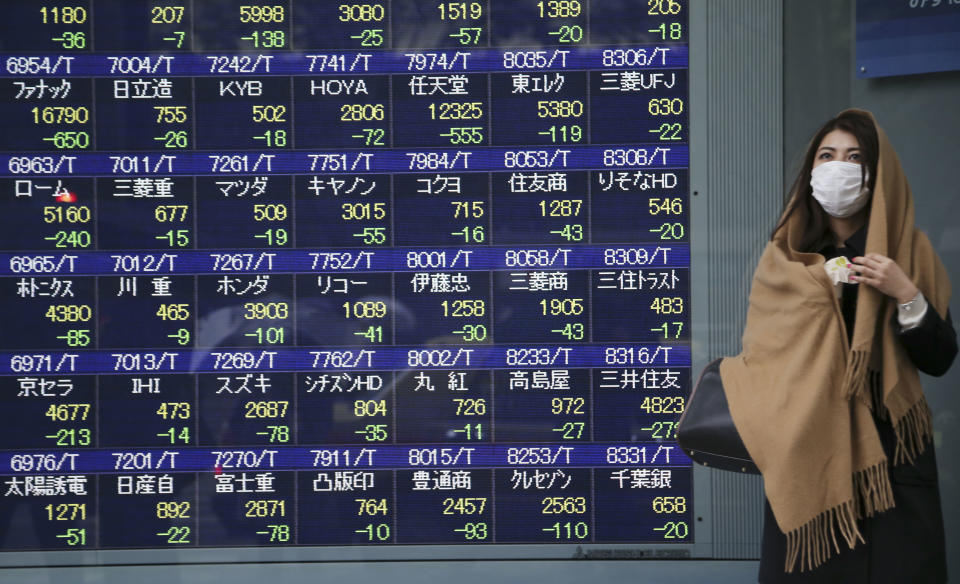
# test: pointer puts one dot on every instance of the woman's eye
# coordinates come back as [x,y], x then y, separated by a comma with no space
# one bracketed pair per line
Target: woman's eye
[824,155]
[855,157]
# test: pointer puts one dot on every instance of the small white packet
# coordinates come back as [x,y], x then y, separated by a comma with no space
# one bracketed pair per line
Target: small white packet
[838,271]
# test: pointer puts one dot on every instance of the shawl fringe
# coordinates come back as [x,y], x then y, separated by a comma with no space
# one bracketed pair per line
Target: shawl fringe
[815,542]
[913,430]
[872,491]
[855,377]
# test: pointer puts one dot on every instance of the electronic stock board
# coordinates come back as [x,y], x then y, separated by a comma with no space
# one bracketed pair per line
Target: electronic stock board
[321,273]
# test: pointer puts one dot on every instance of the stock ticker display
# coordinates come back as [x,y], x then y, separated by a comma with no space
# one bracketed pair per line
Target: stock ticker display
[306,273]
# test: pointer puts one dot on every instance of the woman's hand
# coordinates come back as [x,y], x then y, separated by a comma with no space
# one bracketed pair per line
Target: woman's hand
[885,275]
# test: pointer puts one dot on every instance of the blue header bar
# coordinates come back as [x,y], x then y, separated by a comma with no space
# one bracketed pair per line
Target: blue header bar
[367,358]
[232,459]
[397,259]
[323,62]
[397,160]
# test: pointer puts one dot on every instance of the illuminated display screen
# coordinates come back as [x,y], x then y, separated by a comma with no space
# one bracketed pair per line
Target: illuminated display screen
[308,273]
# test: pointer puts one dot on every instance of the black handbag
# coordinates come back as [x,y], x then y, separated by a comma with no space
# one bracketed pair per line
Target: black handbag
[706,431]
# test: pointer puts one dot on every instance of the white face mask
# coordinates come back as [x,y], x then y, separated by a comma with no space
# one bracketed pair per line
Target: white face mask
[837,187]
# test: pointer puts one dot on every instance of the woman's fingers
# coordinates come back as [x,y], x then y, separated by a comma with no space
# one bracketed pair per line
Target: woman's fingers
[884,274]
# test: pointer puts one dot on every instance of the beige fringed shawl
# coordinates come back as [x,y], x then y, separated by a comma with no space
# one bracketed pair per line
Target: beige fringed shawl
[801,395]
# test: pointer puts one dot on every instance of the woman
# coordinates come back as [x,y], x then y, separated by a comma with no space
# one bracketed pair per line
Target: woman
[826,394]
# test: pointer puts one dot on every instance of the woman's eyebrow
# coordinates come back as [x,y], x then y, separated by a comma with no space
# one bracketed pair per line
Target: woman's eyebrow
[850,149]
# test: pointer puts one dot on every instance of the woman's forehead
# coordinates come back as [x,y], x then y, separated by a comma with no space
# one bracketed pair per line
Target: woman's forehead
[839,140]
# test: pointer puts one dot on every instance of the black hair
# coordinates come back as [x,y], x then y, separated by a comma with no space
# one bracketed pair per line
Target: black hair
[817,232]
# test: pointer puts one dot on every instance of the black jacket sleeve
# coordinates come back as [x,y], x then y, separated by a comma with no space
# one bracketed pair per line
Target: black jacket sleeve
[931,345]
